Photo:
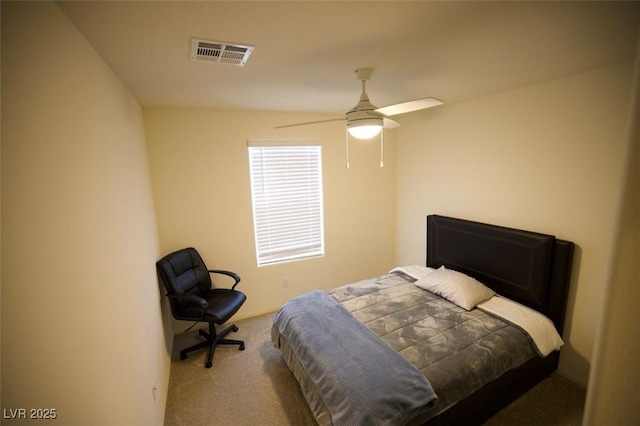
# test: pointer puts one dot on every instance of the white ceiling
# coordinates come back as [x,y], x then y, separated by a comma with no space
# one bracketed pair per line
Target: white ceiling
[306,51]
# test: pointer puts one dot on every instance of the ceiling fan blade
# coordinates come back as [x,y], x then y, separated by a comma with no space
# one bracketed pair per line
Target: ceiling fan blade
[410,106]
[310,122]
[389,123]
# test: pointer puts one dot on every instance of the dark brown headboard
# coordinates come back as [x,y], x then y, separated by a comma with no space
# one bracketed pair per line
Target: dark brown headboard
[528,267]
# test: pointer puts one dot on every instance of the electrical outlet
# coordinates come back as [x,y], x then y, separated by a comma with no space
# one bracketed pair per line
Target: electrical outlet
[285,282]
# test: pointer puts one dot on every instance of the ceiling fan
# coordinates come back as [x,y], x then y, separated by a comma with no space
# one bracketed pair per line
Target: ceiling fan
[365,120]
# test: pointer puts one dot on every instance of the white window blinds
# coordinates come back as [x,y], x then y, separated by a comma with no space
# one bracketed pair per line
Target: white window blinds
[286,189]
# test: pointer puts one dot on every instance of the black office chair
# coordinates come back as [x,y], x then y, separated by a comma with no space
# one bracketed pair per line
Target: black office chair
[192,298]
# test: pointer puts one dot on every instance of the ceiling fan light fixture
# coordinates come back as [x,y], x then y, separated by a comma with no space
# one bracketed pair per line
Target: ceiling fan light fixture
[365,131]
[365,128]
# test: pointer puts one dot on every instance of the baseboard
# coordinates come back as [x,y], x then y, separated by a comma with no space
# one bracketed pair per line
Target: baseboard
[575,378]
[239,316]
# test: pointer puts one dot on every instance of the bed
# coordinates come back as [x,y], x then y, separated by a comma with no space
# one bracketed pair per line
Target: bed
[386,351]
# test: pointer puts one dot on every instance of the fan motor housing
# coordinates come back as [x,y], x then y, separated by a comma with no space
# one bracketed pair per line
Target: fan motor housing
[357,118]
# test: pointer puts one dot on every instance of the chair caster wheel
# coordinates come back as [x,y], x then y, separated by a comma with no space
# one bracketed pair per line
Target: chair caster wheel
[208,365]
[235,328]
[241,347]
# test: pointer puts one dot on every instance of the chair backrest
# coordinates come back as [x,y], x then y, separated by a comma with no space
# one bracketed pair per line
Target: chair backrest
[183,272]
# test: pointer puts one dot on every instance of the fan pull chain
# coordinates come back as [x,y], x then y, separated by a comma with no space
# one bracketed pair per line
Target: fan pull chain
[347,145]
[382,148]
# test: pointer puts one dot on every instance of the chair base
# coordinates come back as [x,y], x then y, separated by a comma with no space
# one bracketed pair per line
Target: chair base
[213,339]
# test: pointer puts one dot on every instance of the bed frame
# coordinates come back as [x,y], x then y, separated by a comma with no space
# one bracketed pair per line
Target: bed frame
[531,268]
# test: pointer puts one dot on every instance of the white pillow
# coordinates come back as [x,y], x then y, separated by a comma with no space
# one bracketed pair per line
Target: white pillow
[456,287]
[539,327]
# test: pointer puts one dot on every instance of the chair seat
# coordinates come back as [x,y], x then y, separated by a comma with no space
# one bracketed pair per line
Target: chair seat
[225,303]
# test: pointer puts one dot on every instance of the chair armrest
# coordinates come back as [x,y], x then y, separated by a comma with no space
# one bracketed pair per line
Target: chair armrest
[191,298]
[233,275]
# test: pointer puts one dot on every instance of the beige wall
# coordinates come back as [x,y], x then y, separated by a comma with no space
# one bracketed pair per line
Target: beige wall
[81,320]
[200,173]
[546,158]
[612,397]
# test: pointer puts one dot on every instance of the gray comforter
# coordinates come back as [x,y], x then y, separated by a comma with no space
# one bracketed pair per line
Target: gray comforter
[457,351]
[361,380]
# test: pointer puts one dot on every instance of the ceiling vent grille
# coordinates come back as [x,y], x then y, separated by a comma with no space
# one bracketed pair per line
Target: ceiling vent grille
[220,52]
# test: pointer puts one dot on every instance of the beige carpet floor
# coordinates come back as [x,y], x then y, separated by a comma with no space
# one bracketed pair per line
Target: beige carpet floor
[255,387]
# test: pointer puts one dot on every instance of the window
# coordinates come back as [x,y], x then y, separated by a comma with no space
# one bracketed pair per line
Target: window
[286,190]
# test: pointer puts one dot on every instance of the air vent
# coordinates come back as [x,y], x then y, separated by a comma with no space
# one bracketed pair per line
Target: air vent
[220,52]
